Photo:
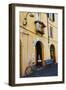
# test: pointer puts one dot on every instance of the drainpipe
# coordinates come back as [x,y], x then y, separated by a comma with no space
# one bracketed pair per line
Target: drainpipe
[48,34]
[48,28]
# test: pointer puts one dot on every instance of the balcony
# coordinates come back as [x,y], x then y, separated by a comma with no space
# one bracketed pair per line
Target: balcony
[40,27]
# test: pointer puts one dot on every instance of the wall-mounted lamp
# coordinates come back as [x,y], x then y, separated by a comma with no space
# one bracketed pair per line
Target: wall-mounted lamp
[25,19]
[40,27]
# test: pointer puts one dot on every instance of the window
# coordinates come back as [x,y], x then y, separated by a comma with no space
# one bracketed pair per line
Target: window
[51,16]
[51,32]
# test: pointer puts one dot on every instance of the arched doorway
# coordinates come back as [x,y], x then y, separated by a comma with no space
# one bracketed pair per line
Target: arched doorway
[52,52]
[39,53]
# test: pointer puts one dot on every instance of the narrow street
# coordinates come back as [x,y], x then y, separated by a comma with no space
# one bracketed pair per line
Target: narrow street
[51,70]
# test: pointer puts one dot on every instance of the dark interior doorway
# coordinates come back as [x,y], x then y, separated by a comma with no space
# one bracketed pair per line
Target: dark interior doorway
[52,52]
[39,53]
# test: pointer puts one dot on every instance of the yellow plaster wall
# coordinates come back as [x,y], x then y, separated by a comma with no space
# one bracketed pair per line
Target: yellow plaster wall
[29,38]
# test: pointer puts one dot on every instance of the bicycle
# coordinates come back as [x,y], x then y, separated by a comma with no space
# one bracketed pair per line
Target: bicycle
[29,69]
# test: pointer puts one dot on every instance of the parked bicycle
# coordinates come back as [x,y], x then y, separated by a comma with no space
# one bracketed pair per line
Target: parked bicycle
[29,69]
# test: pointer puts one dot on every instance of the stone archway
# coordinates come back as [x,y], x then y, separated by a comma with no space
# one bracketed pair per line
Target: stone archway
[39,53]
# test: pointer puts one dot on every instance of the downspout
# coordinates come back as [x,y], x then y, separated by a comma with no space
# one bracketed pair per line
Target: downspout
[48,28]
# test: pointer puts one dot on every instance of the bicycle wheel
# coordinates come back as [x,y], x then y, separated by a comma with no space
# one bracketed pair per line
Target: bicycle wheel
[28,71]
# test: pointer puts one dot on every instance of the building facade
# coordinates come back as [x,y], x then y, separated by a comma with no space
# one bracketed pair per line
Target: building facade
[38,38]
